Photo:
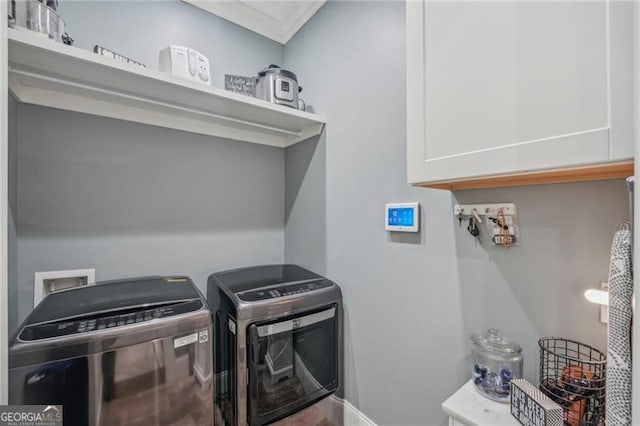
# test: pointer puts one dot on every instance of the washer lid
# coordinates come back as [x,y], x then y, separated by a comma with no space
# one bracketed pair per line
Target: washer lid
[240,280]
[111,296]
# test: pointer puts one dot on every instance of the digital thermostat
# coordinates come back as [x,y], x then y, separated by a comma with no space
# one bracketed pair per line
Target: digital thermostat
[403,217]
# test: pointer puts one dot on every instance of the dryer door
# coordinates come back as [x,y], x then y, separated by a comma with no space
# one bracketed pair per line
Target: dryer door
[293,363]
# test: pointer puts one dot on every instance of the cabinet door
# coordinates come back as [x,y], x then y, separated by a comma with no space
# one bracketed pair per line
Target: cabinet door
[504,87]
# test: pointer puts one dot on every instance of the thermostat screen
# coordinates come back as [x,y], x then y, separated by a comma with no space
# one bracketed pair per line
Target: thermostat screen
[402,216]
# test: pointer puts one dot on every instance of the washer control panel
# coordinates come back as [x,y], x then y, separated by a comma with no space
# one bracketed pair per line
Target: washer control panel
[283,290]
[66,328]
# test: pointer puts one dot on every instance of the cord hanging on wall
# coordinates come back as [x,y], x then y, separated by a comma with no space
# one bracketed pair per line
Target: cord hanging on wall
[500,218]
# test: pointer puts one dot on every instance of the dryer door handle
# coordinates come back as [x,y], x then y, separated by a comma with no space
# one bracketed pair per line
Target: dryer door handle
[295,323]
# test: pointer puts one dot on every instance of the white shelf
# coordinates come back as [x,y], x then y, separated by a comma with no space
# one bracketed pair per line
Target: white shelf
[48,73]
[467,407]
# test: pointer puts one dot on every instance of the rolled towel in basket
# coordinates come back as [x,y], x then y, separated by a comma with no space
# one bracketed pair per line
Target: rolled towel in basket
[618,381]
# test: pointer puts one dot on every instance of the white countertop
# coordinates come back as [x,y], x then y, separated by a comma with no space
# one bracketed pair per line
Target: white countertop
[470,407]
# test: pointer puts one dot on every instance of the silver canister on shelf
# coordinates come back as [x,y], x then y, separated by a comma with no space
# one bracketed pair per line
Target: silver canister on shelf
[496,362]
[279,86]
[37,16]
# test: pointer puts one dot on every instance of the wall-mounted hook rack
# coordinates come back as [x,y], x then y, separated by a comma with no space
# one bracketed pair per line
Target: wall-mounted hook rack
[503,230]
[508,209]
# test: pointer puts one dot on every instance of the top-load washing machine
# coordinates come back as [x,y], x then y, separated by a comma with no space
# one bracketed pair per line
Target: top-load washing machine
[131,352]
[278,347]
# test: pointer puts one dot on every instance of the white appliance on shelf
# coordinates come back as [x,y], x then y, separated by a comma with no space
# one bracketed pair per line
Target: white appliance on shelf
[185,63]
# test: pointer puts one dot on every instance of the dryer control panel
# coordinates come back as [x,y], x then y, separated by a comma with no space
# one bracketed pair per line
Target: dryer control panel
[283,290]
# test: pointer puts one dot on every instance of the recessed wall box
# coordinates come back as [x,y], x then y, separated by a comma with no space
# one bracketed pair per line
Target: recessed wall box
[50,281]
[402,217]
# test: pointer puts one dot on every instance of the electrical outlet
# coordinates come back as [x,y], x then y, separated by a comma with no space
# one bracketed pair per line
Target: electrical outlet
[48,282]
[604,309]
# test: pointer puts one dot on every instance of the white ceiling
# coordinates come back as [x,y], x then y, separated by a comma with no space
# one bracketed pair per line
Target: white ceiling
[277,20]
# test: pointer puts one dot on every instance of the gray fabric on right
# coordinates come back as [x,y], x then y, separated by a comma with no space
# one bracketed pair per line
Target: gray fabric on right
[618,380]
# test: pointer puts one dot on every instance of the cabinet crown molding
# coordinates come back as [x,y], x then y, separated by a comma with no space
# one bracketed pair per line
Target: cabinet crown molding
[276,20]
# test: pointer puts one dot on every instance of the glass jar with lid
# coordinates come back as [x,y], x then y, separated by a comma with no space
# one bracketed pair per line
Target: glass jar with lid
[496,361]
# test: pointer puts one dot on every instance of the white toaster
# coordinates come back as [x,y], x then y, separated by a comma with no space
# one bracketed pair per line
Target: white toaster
[185,63]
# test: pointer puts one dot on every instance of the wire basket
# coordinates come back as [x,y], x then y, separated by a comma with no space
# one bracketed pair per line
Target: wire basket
[573,375]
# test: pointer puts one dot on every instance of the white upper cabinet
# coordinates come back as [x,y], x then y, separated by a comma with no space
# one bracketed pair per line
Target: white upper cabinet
[512,87]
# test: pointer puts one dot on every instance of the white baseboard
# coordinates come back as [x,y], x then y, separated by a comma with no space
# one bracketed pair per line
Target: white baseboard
[354,417]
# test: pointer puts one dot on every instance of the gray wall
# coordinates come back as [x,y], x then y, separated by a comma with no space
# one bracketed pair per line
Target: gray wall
[537,289]
[134,200]
[402,300]
[130,199]
[412,301]
[306,204]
